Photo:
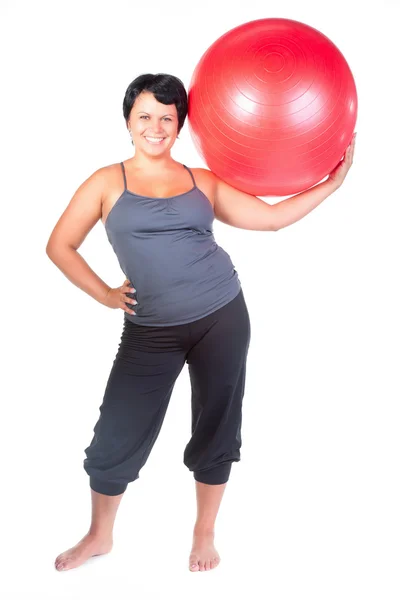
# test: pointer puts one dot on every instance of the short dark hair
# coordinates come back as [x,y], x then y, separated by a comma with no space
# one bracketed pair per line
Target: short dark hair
[166,89]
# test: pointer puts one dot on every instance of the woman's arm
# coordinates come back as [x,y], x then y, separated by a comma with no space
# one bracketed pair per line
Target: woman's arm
[80,216]
[295,208]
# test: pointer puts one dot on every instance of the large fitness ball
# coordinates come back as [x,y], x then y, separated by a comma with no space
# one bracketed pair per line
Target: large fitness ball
[272,107]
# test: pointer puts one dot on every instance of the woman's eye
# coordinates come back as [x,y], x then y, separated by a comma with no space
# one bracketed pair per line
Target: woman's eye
[146,117]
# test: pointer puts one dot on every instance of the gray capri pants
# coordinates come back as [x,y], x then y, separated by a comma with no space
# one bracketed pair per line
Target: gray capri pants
[145,369]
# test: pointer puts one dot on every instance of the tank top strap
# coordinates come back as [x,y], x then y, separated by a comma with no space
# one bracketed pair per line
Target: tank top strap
[191,175]
[123,173]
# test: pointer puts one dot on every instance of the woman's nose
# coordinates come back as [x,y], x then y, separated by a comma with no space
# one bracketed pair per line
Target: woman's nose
[156,126]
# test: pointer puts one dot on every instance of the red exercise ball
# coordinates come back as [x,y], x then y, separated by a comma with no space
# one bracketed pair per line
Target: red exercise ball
[272,107]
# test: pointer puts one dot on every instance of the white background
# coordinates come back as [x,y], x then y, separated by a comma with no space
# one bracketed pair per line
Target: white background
[312,509]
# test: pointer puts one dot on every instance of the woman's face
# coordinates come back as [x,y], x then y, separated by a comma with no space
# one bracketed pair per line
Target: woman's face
[154,126]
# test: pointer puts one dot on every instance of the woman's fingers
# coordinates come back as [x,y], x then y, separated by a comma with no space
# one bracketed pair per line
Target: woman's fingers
[127,285]
[352,146]
[128,299]
[124,291]
[127,309]
[125,299]
[126,288]
[348,158]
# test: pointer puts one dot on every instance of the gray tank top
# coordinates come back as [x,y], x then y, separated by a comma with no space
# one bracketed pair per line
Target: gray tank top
[166,249]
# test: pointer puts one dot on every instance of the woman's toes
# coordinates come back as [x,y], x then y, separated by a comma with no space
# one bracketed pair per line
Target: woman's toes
[194,564]
[207,565]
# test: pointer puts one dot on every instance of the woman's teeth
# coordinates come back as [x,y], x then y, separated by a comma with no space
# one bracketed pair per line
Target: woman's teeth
[154,140]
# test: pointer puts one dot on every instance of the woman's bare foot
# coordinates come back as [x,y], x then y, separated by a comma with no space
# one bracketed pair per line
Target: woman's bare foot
[90,545]
[203,556]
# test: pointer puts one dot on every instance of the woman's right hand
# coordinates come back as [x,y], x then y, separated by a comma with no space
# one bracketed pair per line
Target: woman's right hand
[117,297]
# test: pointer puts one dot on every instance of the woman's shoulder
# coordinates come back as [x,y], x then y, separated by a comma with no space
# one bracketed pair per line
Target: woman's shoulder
[112,168]
[201,171]
[205,176]
[110,174]
[201,174]
[106,171]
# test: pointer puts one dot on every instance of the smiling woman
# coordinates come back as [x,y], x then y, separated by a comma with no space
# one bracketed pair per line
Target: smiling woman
[182,303]
[150,120]
[154,127]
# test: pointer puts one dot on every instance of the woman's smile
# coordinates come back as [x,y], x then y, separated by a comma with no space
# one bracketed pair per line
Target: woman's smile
[154,140]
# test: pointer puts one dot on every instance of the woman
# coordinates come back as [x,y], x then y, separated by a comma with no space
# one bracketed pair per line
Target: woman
[182,302]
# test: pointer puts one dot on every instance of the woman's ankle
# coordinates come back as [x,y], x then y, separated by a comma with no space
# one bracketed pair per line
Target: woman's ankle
[100,535]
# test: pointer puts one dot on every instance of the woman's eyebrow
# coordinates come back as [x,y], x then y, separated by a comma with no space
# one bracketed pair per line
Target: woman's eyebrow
[146,113]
